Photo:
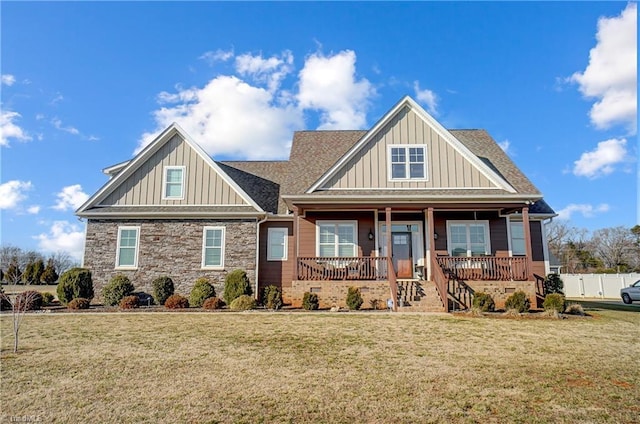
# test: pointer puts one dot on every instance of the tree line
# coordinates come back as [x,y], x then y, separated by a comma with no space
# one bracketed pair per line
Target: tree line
[607,250]
[19,266]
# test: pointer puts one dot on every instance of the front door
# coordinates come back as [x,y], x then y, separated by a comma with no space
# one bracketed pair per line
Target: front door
[401,254]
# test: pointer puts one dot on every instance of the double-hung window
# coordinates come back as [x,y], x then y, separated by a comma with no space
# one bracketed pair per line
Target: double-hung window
[408,162]
[336,238]
[127,250]
[173,187]
[277,244]
[468,238]
[517,239]
[213,247]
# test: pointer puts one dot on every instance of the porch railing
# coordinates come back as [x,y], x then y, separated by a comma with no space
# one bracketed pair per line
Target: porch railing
[486,267]
[342,268]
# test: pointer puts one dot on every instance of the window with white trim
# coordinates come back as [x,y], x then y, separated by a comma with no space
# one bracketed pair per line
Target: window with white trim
[407,162]
[277,244]
[173,182]
[127,250]
[517,239]
[468,238]
[213,247]
[336,238]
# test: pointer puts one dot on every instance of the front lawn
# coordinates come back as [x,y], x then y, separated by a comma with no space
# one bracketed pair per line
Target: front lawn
[321,367]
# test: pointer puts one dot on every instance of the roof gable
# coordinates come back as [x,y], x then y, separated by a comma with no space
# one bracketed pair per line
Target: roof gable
[450,164]
[139,182]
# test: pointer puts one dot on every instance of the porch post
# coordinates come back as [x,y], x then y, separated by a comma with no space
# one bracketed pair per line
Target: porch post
[296,237]
[432,241]
[527,241]
[391,272]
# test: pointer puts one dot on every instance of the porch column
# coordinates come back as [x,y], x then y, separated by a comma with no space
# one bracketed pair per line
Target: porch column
[296,225]
[527,241]
[432,242]
[391,272]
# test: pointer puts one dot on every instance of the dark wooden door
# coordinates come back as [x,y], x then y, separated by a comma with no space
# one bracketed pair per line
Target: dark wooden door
[401,254]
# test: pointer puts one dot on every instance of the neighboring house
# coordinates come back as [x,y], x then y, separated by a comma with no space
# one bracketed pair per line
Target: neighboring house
[406,210]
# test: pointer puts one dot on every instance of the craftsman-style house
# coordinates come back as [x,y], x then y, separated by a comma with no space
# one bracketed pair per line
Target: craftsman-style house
[407,210]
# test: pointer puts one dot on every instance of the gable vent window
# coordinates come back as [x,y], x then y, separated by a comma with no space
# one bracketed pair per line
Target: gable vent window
[173,182]
[408,162]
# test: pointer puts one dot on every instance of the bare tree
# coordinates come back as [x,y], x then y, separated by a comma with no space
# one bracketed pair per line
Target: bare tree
[616,247]
[62,261]
[19,303]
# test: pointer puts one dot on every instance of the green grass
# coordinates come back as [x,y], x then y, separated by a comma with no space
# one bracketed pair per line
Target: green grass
[321,367]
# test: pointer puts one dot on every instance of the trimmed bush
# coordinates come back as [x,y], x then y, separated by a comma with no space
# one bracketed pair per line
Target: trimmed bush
[201,291]
[554,302]
[118,288]
[483,302]
[79,303]
[75,283]
[518,302]
[162,289]
[213,303]
[310,301]
[354,298]
[176,301]
[553,284]
[236,284]
[29,300]
[243,303]
[47,298]
[575,309]
[129,302]
[272,297]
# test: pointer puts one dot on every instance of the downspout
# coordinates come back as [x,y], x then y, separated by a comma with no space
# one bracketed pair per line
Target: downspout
[258,223]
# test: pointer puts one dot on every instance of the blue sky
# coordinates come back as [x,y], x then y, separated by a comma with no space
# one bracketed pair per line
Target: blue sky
[86,84]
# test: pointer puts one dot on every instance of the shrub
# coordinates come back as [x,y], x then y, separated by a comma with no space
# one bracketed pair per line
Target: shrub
[310,301]
[243,303]
[574,309]
[129,302]
[119,287]
[518,301]
[354,298]
[272,297]
[213,303]
[47,298]
[75,283]
[201,291]
[29,300]
[79,303]
[553,284]
[236,284]
[176,301]
[483,302]
[162,289]
[554,302]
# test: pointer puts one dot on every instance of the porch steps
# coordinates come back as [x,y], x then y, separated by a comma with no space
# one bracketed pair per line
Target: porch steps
[418,296]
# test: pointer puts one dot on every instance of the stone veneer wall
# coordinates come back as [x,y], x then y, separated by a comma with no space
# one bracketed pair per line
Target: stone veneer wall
[169,247]
[334,293]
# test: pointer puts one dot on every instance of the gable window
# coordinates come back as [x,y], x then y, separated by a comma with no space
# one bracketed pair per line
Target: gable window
[277,244]
[336,238]
[127,250]
[213,247]
[517,238]
[468,238]
[407,162]
[173,187]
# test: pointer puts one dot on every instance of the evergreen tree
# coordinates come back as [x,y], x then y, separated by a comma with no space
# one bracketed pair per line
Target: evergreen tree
[49,275]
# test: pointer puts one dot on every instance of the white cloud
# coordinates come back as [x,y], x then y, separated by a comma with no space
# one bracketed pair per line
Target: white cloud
[57,123]
[71,197]
[329,84]
[63,236]
[9,129]
[33,210]
[601,161]
[612,73]
[270,71]
[217,56]
[504,145]
[7,79]
[13,192]
[586,210]
[426,97]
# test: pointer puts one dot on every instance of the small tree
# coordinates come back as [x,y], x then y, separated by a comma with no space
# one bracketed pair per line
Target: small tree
[354,298]
[236,284]
[310,301]
[553,284]
[49,275]
[13,274]
[75,283]
[272,297]
[162,288]
[19,304]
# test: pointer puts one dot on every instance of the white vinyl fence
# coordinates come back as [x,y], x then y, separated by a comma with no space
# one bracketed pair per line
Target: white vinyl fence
[603,286]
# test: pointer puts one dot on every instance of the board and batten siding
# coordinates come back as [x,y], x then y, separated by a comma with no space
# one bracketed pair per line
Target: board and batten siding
[446,167]
[203,185]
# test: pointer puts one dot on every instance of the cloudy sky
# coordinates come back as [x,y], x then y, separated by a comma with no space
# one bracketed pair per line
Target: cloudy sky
[87,85]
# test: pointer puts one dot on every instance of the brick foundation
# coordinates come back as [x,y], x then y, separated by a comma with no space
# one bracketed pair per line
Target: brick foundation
[334,293]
